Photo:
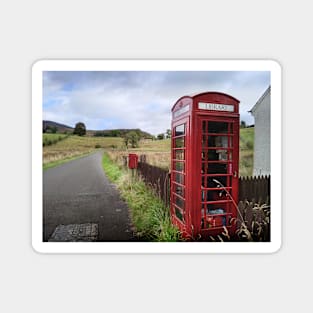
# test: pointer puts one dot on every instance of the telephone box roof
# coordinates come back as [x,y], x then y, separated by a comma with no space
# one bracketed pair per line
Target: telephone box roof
[194,95]
[207,92]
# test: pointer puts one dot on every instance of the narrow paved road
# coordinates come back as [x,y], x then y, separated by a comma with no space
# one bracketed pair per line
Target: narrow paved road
[79,193]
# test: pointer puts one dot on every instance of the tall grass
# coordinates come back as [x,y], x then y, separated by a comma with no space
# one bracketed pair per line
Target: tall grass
[150,217]
[74,146]
[50,139]
[246,145]
[157,152]
[112,170]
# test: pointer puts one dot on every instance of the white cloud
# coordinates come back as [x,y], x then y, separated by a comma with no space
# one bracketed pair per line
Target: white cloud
[104,100]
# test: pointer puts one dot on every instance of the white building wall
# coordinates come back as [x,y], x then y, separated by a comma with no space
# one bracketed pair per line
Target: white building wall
[262,137]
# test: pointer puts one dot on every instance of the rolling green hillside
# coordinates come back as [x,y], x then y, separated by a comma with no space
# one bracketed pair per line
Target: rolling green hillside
[157,151]
[73,146]
[58,128]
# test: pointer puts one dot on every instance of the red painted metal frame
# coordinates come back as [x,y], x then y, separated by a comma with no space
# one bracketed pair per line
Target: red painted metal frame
[186,111]
[176,221]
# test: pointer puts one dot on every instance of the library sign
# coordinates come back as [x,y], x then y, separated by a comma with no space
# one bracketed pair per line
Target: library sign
[216,107]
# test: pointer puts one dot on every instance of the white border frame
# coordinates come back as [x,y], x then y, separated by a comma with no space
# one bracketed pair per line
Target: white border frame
[156,65]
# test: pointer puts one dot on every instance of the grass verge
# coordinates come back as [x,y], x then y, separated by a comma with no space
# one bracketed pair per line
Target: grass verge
[65,160]
[150,217]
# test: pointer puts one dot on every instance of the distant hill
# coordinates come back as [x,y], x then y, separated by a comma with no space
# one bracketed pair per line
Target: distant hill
[118,133]
[50,126]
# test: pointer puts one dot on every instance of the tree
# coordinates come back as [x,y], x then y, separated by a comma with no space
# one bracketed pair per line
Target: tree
[243,124]
[115,133]
[131,138]
[126,141]
[80,129]
[54,129]
[160,136]
[50,129]
[168,133]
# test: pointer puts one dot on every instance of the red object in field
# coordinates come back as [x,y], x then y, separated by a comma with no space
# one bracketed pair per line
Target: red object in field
[204,164]
[132,160]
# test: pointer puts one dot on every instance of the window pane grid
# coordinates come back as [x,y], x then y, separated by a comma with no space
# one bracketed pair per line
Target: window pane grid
[178,171]
[216,168]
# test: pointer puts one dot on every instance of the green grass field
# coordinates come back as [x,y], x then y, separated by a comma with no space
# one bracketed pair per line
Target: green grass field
[74,146]
[246,151]
[157,151]
[50,139]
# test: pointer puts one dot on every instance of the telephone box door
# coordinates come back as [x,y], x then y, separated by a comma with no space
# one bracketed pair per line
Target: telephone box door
[179,197]
[218,158]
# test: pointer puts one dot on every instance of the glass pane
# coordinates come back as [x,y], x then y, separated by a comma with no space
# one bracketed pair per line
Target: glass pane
[221,141]
[179,142]
[212,216]
[212,155]
[179,202]
[179,214]
[179,166]
[214,195]
[180,130]
[215,141]
[216,208]
[211,141]
[218,127]
[179,190]
[179,178]
[216,181]
[179,154]
[215,155]
[217,221]
[217,168]
[222,155]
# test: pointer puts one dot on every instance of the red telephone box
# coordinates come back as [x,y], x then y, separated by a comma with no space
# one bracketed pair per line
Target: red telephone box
[204,164]
[132,160]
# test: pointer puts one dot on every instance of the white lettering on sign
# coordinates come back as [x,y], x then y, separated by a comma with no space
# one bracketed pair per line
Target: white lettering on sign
[216,107]
[181,110]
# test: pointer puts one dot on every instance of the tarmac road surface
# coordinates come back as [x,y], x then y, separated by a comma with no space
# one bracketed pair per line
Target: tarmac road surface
[77,197]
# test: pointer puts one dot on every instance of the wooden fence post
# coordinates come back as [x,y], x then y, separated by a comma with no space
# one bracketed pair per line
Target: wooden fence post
[255,188]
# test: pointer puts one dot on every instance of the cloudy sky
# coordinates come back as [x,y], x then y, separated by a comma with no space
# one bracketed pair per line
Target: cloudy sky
[142,99]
